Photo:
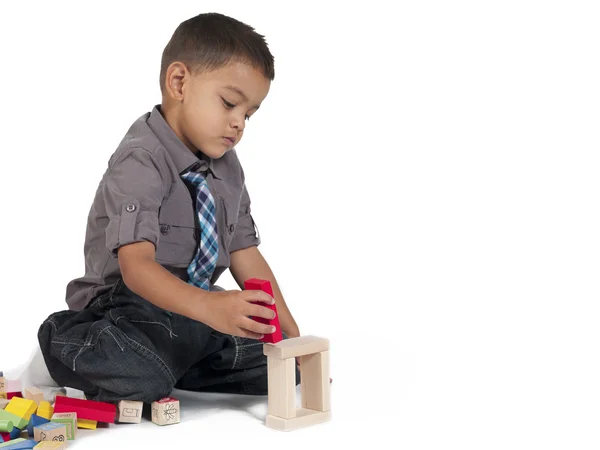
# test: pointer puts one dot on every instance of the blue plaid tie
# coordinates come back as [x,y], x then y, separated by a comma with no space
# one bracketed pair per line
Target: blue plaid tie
[203,265]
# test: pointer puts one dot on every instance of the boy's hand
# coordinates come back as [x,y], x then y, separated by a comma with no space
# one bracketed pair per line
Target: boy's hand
[228,311]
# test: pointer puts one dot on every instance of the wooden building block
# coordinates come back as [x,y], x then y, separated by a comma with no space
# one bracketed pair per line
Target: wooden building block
[3,403]
[50,431]
[281,387]
[45,410]
[256,284]
[69,420]
[129,411]
[51,445]
[165,411]
[314,381]
[2,385]
[86,409]
[21,407]
[34,421]
[18,444]
[298,346]
[304,418]
[33,393]
[11,395]
[17,421]
[6,426]
[13,385]
[87,424]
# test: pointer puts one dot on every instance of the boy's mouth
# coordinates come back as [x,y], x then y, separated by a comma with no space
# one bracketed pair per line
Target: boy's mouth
[229,140]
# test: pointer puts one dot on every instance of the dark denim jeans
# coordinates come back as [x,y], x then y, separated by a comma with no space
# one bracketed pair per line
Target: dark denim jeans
[122,347]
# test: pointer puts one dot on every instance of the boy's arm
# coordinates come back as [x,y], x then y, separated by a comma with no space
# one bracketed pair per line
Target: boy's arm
[250,263]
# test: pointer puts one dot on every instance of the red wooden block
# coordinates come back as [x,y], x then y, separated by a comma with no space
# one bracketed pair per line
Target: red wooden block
[255,284]
[86,409]
[5,436]
[10,395]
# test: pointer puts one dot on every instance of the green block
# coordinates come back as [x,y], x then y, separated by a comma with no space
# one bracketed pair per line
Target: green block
[14,441]
[6,426]
[17,421]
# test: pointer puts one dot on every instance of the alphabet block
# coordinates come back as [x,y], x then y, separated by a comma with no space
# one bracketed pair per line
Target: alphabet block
[129,411]
[69,420]
[165,411]
[50,432]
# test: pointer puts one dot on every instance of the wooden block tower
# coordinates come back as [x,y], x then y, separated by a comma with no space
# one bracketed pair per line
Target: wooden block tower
[315,392]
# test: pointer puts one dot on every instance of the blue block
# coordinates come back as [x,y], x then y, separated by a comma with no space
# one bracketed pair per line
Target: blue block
[1,439]
[34,422]
[15,433]
[21,444]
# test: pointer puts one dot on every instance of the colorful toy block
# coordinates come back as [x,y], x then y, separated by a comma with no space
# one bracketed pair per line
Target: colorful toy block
[18,444]
[6,426]
[50,432]
[17,421]
[165,411]
[69,420]
[86,409]
[315,387]
[15,433]
[13,386]
[4,437]
[54,445]
[34,421]
[256,284]
[3,403]
[33,393]
[129,411]
[45,410]
[87,424]
[11,395]
[21,407]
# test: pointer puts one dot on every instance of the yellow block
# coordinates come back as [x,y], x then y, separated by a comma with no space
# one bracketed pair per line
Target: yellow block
[45,410]
[88,424]
[21,407]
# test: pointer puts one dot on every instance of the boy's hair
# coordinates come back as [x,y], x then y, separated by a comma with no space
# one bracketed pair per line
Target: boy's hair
[210,41]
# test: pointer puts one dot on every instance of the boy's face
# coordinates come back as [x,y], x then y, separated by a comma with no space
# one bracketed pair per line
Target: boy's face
[207,107]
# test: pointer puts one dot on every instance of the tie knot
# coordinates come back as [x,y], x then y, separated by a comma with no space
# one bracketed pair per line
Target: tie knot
[193,177]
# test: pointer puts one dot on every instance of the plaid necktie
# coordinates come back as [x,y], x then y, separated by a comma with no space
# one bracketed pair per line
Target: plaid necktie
[203,265]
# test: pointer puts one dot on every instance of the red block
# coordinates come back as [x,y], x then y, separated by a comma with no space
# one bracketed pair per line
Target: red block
[10,395]
[5,436]
[255,284]
[86,409]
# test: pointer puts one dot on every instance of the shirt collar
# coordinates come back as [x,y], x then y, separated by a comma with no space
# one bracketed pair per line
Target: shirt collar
[182,156]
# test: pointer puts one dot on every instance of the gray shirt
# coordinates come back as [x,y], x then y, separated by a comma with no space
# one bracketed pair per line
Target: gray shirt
[142,197]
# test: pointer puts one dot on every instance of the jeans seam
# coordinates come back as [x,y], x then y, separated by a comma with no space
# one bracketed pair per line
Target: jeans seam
[132,344]
[237,356]
[145,321]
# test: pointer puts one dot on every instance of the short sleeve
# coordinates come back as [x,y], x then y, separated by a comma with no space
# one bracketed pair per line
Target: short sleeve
[132,192]
[246,232]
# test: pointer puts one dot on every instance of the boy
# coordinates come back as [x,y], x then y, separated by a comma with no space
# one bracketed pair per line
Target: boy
[171,214]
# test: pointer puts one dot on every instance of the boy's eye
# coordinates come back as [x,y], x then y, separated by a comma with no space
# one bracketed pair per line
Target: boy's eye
[227,104]
[230,106]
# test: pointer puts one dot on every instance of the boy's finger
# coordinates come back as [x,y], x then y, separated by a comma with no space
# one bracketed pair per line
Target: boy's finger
[259,296]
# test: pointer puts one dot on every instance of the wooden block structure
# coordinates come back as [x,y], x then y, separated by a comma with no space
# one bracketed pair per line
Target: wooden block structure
[129,411]
[50,431]
[313,353]
[69,420]
[165,411]
[256,284]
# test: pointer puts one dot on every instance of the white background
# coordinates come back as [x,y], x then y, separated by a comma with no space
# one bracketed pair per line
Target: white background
[425,179]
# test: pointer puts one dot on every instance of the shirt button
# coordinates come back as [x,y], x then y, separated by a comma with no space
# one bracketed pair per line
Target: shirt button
[130,207]
[231,228]
[164,229]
